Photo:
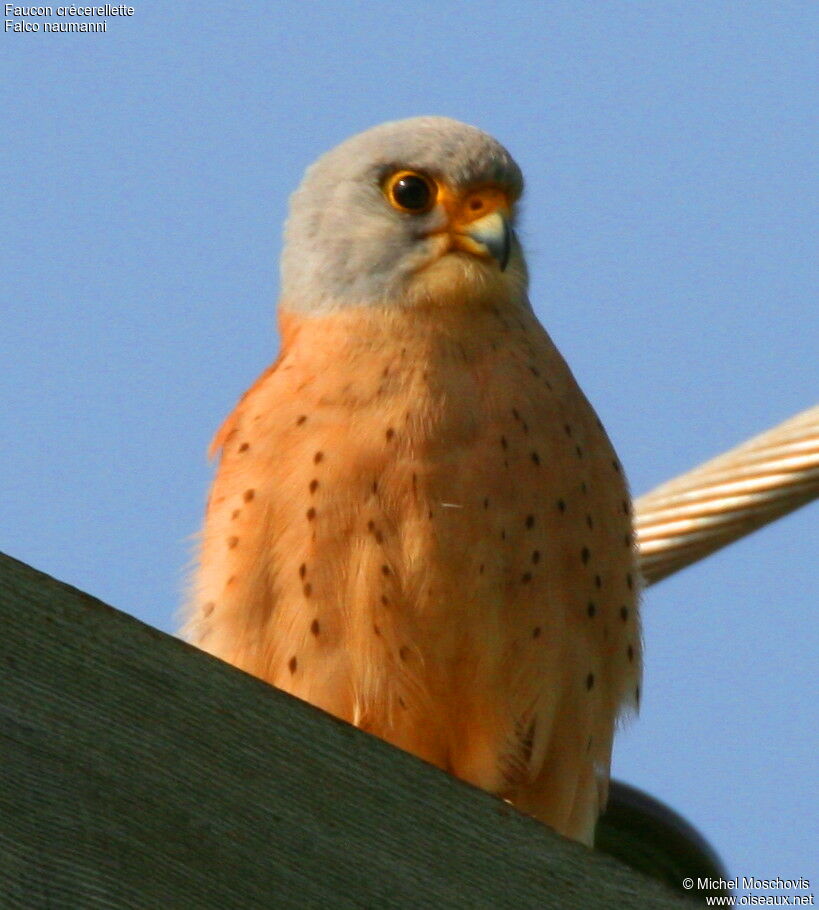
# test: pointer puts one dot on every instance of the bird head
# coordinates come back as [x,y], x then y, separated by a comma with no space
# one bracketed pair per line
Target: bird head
[416,212]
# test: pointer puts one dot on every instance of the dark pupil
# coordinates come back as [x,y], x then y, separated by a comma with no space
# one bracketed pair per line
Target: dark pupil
[412,193]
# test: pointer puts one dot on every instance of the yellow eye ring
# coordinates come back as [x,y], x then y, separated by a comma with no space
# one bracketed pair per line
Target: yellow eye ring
[411,192]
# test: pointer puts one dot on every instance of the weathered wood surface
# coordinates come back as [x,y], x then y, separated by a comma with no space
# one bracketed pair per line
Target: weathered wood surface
[138,772]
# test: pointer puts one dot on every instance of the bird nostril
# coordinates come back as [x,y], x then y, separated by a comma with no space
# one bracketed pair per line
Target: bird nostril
[476,204]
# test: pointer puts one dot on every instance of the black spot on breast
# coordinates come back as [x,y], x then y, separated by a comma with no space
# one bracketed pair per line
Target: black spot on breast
[527,743]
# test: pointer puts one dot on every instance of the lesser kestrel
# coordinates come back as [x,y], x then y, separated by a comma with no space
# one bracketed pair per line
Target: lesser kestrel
[418,522]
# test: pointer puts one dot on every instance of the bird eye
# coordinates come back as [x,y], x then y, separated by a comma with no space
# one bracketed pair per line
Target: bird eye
[411,192]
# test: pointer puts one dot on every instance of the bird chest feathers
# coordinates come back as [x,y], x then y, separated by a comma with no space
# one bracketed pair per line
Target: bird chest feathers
[429,525]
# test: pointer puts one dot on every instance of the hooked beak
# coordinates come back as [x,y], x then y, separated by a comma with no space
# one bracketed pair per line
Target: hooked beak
[491,234]
[478,223]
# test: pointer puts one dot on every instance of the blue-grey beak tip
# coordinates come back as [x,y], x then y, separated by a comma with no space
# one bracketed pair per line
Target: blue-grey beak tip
[506,247]
[495,234]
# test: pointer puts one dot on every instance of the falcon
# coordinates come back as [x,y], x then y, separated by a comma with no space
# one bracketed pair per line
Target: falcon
[418,523]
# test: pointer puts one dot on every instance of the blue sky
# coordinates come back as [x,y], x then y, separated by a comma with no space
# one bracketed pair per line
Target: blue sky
[670,222]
